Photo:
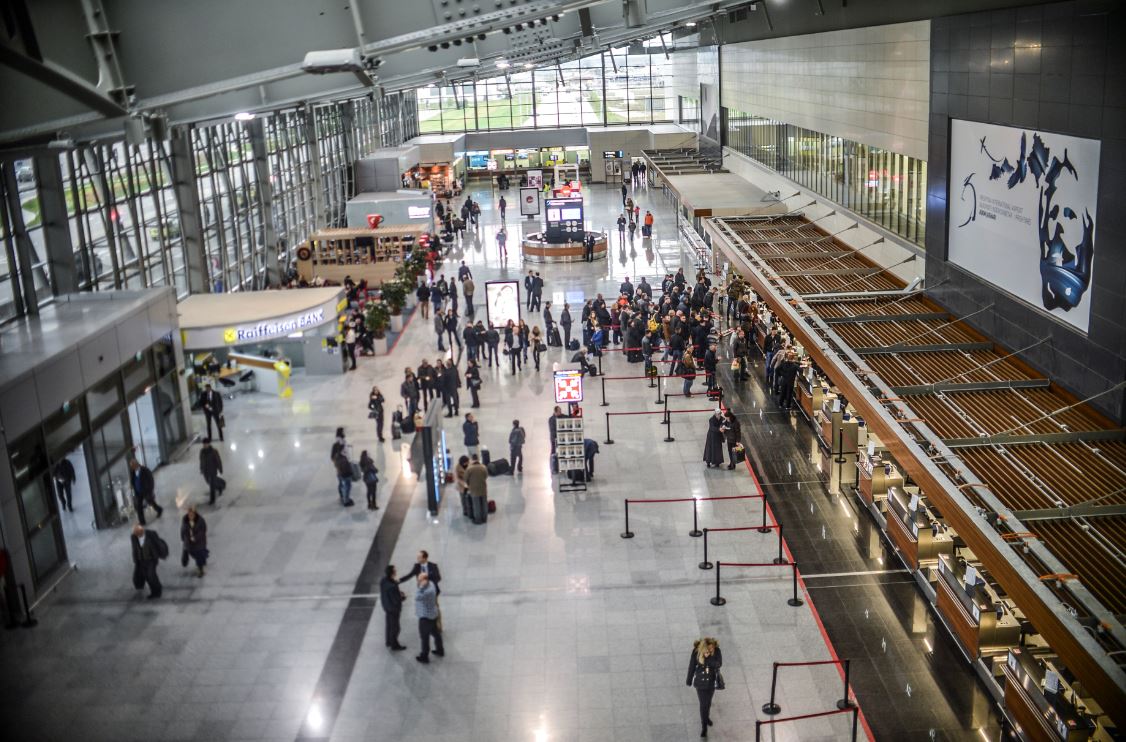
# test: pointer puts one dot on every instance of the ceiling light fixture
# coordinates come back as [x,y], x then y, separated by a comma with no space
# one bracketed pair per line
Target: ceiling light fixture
[691,24]
[243,116]
[503,64]
[528,65]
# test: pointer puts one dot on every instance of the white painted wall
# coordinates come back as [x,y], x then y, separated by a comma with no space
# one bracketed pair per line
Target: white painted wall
[870,85]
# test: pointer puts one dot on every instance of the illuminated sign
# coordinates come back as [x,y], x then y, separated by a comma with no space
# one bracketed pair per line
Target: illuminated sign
[502,302]
[568,386]
[273,328]
[418,212]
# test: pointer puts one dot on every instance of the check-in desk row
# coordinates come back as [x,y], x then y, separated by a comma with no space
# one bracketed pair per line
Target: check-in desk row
[972,609]
[1039,698]
[810,390]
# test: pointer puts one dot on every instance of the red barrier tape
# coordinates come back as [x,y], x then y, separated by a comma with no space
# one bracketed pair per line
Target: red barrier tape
[745,528]
[700,499]
[658,376]
[804,664]
[765,564]
[654,412]
[806,716]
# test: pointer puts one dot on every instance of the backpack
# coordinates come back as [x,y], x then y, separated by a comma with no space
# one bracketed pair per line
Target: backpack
[653,326]
[161,546]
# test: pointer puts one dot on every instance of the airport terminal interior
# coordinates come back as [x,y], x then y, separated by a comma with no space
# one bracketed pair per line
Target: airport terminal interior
[563,370]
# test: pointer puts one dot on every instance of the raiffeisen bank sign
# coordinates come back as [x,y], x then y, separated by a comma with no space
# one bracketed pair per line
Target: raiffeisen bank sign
[274,328]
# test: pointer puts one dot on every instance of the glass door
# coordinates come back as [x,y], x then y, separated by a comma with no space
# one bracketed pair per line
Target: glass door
[38,507]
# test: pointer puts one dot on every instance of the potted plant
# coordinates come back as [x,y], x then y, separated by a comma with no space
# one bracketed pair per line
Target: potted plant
[394,295]
[406,275]
[377,316]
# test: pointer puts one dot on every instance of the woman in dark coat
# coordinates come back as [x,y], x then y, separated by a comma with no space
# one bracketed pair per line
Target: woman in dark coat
[473,381]
[370,475]
[193,535]
[703,673]
[375,410]
[713,446]
[732,434]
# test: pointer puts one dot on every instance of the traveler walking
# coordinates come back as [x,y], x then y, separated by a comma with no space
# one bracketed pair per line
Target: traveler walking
[439,327]
[492,341]
[476,476]
[467,289]
[343,469]
[713,443]
[451,382]
[369,475]
[64,478]
[193,536]
[148,549]
[502,205]
[516,438]
[429,619]
[502,239]
[704,674]
[451,328]
[473,381]
[471,433]
[212,403]
[537,292]
[392,599]
[211,466]
[143,490]
[529,281]
[538,346]
[732,435]
[422,295]
[375,410]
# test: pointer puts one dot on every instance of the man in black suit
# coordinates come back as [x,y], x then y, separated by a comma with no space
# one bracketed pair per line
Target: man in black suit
[145,558]
[211,466]
[528,279]
[392,598]
[212,403]
[565,323]
[427,567]
[144,487]
[537,293]
[64,478]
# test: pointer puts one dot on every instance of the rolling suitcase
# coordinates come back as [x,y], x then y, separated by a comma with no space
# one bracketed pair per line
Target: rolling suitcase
[553,338]
[498,467]
[573,345]
[485,456]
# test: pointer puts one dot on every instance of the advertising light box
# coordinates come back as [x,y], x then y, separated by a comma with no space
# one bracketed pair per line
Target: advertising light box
[502,302]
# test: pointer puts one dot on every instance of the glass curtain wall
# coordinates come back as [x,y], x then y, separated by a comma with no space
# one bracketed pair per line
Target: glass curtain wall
[617,87]
[124,216]
[884,187]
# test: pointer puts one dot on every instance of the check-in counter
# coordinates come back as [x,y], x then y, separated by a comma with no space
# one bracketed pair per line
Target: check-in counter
[810,391]
[837,432]
[917,535]
[1045,714]
[875,476]
[971,612]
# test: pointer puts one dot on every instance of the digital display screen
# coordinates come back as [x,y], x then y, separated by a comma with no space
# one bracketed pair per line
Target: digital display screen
[573,214]
[502,302]
[553,215]
[478,159]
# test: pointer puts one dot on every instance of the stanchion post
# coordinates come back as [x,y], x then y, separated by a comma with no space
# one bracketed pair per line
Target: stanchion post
[763,528]
[758,731]
[718,599]
[668,422]
[779,559]
[845,701]
[658,389]
[627,533]
[600,354]
[604,402]
[695,532]
[706,564]
[795,601]
[771,707]
[608,438]
[855,721]
[28,620]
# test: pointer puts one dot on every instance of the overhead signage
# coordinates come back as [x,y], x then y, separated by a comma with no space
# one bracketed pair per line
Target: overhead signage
[273,328]
[569,386]
[613,155]
[418,212]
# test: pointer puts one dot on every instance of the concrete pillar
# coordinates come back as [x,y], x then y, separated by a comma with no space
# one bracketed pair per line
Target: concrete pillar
[56,230]
[182,173]
[257,130]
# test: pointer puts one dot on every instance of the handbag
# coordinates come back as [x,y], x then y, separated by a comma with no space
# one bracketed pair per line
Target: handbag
[720,684]
[371,414]
[184,557]
[735,365]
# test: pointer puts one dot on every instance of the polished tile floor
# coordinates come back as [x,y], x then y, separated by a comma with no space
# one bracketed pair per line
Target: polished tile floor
[556,628]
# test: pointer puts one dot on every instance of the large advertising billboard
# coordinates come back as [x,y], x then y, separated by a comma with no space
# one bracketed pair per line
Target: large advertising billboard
[1022,214]
[502,302]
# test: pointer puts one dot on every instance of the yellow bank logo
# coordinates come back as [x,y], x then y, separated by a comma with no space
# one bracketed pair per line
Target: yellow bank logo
[230,336]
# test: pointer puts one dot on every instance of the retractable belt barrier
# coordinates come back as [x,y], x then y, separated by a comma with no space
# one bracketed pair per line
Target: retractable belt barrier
[760,723]
[780,559]
[695,523]
[667,421]
[793,602]
[843,704]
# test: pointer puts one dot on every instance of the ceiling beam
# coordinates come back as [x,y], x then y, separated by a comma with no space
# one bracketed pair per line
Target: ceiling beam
[61,79]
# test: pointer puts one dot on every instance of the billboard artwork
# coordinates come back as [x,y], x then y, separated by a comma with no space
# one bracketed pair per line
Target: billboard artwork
[502,302]
[1022,215]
